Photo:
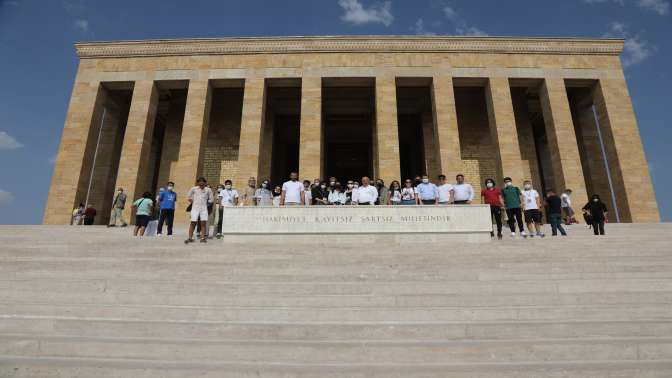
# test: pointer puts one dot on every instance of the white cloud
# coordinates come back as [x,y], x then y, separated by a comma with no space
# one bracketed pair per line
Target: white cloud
[8,142]
[460,24]
[82,25]
[419,28]
[635,49]
[5,197]
[661,7]
[356,13]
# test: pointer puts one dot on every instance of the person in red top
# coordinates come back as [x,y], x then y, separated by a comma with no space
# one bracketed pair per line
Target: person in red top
[492,196]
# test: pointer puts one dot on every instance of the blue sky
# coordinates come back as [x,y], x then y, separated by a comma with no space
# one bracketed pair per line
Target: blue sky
[38,62]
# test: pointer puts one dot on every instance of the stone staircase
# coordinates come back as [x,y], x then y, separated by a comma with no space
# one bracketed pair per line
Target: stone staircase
[95,302]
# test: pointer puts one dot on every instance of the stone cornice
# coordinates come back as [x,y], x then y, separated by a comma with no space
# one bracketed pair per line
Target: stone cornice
[336,44]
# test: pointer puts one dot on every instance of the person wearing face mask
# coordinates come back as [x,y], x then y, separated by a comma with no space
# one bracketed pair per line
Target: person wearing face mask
[383,194]
[428,193]
[445,191]
[332,184]
[348,192]
[463,193]
[598,213]
[417,181]
[118,205]
[366,194]
[228,197]
[200,198]
[167,200]
[320,194]
[307,193]
[355,193]
[513,198]
[248,198]
[492,196]
[277,195]
[263,195]
[532,209]
[394,194]
[554,206]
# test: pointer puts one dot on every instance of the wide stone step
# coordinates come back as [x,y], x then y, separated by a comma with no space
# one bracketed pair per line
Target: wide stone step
[16,366]
[343,314]
[340,352]
[110,297]
[419,331]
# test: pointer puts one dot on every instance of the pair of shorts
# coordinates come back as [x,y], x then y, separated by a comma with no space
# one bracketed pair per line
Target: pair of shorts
[199,215]
[533,216]
[141,220]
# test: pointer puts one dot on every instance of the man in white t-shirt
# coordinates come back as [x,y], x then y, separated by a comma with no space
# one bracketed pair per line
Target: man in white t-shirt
[531,207]
[200,198]
[228,197]
[566,205]
[445,191]
[463,193]
[292,191]
[366,194]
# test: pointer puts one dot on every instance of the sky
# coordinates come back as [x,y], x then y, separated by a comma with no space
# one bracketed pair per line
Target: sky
[38,62]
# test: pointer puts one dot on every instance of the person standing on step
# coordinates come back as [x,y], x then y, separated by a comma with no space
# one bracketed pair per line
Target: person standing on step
[532,209]
[292,191]
[463,193]
[445,191]
[200,197]
[320,194]
[554,205]
[118,204]
[409,195]
[167,200]
[247,198]
[307,193]
[428,193]
[143,210]
[598,213]
[394,197]
[492,196]
[77,214]
[513,198]
[89,215]
[263,196]
[277,194]
[567,209]
[228,197]
[366,194]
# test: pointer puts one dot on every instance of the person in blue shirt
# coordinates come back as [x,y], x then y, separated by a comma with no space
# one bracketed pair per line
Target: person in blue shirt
[428,193]
[167,200]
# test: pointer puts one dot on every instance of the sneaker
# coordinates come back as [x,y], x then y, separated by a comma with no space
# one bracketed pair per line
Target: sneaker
[124,225]
[513,234]
[541,234]
[204,240]
[499,236]
[159,235]
[492,234]
[218,236]
[188,241]
[111,225]
[523,234]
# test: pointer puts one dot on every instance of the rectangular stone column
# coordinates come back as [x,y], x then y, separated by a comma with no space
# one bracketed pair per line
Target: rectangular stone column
[192,143]
[387,130]
[565,158]
[432,164]
[445,122]
[310,133]
[133,174]
[503,130]
[75,153]
[629,170]
[254,109]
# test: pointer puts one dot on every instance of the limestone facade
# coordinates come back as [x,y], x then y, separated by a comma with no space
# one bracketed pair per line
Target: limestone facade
[555,111]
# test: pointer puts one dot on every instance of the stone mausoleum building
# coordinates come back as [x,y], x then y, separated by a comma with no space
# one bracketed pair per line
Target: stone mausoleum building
[553,110]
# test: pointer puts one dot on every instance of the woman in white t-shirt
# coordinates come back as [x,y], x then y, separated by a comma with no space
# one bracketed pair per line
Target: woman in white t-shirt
[395,193]
[409,195]
[337,196]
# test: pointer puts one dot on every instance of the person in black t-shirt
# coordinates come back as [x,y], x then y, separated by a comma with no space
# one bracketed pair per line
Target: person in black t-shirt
[598,213]
[554,205]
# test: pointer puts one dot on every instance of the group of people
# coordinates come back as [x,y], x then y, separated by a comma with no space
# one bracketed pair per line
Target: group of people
[521,207]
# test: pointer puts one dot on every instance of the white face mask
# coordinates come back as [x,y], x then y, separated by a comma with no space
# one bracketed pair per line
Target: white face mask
[351,186]
[323,186]
[356,186]
[528,186]
[595,200]
[489,185]
[170,188]
[508,183]
[332,183]
[425,181]
[264,185]
[227,187]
